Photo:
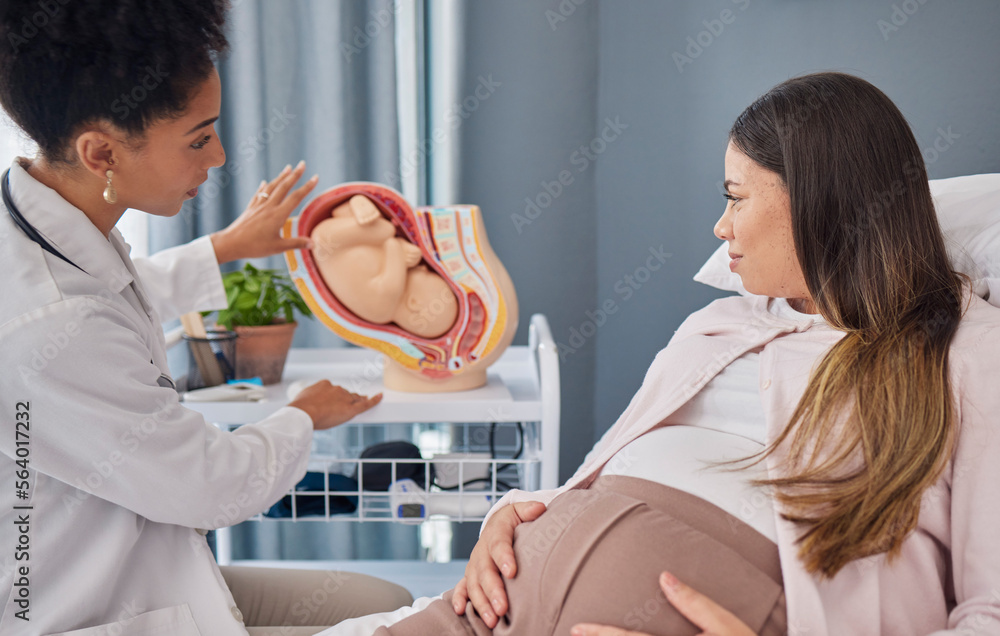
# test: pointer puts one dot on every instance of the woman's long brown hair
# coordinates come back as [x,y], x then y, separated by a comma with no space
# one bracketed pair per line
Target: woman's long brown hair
[874,428]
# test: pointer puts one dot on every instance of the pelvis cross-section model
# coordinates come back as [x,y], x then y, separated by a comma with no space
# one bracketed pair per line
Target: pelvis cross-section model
[421,285]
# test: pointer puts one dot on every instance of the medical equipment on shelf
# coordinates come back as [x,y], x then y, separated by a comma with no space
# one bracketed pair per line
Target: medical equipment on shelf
[412,504]
[452,469]
[235,392]
[452,242]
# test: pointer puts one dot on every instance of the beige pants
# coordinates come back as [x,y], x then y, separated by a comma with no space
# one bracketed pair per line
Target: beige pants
[278,602]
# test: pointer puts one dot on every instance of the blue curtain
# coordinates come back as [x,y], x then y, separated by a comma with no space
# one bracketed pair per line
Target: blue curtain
[313,80]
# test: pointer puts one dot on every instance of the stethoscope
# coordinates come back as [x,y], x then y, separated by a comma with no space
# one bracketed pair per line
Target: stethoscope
[33,234]
[28,228]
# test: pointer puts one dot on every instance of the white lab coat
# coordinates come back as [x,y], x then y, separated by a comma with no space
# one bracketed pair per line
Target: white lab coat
[123,480]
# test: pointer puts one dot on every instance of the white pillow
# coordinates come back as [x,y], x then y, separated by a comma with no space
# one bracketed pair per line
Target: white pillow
[969,213]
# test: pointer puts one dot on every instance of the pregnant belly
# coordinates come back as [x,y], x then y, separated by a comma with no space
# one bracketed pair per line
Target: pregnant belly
[596,555]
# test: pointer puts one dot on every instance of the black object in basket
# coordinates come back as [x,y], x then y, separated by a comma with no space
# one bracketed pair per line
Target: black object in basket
[312,504]
[378,475]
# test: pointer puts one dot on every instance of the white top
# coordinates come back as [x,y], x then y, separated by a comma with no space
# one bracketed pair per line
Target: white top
[722,422]
[120,476]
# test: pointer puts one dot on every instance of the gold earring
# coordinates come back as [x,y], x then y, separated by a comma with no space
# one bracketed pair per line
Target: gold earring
[110,194]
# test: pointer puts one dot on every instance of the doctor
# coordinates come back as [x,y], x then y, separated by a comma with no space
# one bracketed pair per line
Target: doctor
[108,484]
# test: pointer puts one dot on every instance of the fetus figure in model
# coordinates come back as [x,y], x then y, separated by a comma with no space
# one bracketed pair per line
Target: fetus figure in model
[378,275]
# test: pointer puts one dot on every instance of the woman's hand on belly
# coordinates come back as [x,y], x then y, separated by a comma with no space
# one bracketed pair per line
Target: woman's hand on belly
[705,613]
[493,554]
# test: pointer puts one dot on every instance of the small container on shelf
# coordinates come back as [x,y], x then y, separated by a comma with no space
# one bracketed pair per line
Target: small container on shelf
[211,358]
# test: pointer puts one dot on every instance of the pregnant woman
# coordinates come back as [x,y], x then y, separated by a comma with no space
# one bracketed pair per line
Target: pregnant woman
[857,379]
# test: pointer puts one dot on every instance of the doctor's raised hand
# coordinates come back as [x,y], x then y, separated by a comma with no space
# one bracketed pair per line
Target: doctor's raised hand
[256,232]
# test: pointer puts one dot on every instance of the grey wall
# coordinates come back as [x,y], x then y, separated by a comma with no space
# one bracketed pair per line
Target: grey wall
[655,183]
[513,143]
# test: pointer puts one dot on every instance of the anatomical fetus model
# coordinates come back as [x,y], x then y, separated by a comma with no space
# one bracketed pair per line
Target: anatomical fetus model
[420,285]
[378,275]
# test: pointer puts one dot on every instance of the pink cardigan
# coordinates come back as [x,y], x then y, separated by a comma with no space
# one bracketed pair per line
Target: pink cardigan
[948,576]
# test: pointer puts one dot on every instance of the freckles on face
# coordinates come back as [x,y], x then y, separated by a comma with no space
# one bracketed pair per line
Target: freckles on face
[757,223]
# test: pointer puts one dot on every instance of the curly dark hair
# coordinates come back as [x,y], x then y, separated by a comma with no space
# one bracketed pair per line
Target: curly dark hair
[67,63]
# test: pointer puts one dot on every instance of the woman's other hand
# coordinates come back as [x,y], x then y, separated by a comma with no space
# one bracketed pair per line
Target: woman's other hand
[257,231]
[709,616]
[493,554]
[330,405]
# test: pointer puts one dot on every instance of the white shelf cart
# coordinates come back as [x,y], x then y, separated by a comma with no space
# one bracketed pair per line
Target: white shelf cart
[506,432]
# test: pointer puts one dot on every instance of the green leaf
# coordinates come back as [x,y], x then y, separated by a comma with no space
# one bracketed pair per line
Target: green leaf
[244,301]
[260,296]
[233,278]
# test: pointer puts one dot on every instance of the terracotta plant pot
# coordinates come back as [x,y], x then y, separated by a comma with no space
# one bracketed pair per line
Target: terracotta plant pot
[261,351]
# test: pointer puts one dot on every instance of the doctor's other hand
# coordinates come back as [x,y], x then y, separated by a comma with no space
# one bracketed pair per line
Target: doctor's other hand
[257,231]
[493,554]
[330,405]
[706,614]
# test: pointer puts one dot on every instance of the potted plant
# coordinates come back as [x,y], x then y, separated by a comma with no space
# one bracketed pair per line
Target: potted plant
[262,304]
